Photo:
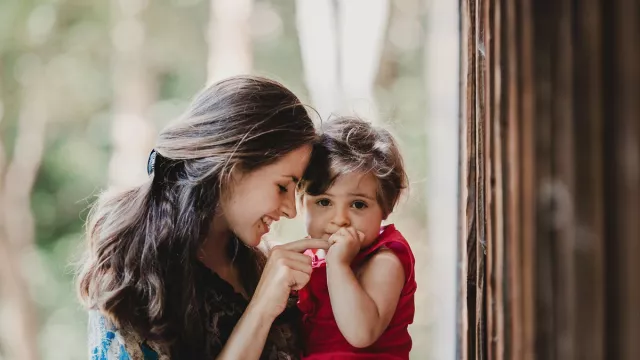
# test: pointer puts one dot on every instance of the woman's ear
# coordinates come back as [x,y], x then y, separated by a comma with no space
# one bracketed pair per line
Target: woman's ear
[230,179]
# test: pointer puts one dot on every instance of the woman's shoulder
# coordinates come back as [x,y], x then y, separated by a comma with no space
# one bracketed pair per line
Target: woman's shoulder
[106,342]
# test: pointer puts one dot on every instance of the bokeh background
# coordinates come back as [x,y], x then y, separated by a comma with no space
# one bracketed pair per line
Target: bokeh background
[85,85]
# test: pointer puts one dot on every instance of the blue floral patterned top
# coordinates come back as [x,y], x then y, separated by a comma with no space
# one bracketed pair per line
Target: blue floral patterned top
[222,310]
[106,343]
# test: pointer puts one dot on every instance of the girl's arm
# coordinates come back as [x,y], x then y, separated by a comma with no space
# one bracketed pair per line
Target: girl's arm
[364,304]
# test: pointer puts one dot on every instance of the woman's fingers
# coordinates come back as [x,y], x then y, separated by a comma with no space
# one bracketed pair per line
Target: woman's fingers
[302,245]
[299,280]
[295,264]
[281,252]
[292,264]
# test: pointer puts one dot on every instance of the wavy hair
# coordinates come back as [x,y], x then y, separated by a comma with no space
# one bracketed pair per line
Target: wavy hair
[139,270]
[349,144]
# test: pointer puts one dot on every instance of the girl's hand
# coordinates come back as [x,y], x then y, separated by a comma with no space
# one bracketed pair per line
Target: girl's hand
[286,269]
[345,245]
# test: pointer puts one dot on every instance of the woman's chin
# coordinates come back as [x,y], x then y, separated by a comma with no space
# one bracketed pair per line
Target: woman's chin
[252,240]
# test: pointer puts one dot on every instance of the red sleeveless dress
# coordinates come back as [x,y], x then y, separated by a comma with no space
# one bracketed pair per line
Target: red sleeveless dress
[322,337]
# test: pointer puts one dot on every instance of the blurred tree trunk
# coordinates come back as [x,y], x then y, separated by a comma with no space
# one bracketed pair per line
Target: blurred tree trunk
[134,91]
[229,38]
[342,43]
[17,237]
[388,66]
[318,34]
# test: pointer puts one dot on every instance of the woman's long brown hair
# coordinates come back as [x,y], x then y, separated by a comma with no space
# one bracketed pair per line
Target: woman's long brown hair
[140,267]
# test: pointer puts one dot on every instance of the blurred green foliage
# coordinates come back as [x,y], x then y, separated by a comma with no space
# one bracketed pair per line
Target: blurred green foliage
[72,39]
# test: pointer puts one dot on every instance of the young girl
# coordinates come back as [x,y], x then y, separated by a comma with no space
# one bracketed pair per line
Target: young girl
[359,300]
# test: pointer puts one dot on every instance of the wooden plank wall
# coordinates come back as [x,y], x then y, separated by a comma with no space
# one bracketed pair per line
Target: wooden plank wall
[551,179]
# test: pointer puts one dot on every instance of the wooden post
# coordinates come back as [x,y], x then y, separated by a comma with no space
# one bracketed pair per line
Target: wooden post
[553,178]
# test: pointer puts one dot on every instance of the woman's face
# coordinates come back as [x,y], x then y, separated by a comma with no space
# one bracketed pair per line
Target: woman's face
[260,197]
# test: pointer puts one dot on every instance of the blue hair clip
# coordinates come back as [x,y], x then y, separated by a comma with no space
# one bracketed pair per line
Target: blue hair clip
[151,163]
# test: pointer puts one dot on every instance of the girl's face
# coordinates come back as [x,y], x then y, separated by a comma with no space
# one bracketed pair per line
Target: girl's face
[260,197]
[350,201]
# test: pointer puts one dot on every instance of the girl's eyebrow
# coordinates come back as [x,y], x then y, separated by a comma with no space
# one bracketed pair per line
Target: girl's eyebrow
[362,195]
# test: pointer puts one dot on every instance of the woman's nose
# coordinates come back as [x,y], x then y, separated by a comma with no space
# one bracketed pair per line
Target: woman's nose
[288,207]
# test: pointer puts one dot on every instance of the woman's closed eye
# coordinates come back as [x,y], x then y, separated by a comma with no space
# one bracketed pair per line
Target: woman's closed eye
[359,204]
[283,189]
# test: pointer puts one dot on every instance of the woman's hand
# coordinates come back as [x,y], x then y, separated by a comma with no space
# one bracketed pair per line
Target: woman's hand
[286,269]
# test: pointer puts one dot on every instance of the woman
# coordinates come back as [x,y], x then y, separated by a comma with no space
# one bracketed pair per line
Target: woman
[173,270]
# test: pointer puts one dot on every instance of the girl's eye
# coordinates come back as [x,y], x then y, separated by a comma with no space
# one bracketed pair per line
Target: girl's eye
[323,202]
[283,189]
[359,205]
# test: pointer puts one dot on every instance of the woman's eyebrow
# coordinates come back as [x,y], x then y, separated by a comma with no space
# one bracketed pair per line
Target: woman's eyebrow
[292,177]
